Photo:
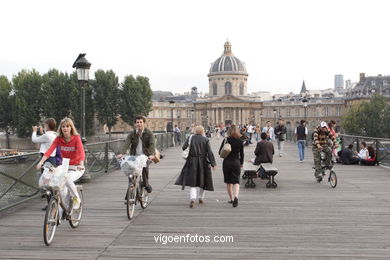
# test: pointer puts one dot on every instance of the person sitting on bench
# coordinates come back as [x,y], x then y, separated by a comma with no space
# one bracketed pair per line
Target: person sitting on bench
[264,153]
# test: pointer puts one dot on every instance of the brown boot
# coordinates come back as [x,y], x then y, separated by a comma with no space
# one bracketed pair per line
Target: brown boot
[192,203]
[201,201]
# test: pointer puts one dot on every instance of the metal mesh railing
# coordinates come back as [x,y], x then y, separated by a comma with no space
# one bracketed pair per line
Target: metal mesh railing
[19,178]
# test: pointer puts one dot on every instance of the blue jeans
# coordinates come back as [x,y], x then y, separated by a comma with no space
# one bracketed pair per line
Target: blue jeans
[301,149]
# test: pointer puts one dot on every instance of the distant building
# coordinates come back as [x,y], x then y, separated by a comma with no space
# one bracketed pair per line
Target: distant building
[338,82]
[367,86]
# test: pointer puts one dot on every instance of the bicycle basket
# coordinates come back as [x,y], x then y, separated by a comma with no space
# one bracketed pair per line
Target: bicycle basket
[133,164]
[54,177]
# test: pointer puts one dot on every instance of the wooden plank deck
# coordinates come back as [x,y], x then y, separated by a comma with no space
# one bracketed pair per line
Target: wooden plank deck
[301,219]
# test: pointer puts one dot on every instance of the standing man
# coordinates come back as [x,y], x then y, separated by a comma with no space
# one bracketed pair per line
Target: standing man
[177,134]
[141,141]
[280,132]
[269,130]
[250,132]
[301,133]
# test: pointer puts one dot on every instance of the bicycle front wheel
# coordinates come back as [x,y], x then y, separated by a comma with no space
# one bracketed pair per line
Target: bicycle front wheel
[333,179]
[131,199]
[50,224]
[143,196]
[75,216]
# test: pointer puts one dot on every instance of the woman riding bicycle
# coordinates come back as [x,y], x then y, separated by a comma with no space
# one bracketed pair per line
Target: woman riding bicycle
[71,147]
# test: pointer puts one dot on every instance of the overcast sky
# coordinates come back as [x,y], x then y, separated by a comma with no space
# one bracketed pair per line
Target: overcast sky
[174,42]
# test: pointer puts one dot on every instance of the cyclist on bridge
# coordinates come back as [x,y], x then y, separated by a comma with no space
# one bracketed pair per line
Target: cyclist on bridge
[324,141]
[141,141]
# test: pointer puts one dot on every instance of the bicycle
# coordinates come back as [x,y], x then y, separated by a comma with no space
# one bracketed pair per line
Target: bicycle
[327,170]
[136,191]
[52,217]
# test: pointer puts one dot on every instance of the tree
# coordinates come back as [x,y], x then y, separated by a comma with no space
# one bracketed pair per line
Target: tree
[27,87]
[106,94]
[6,103]
[58,93]
[368,118]
[136,98]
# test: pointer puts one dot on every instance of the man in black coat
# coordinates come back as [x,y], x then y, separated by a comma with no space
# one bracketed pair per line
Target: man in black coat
[347,156]
[264,153]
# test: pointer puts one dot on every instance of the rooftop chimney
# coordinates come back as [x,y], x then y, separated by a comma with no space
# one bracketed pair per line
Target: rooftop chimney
[362,77]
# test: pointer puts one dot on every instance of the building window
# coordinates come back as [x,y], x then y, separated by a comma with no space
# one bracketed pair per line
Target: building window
[241,89]
[326,111]
[288,112]
[337,111]
[215,90]
[372,82]
[228,88]
[385,83]
[178,113]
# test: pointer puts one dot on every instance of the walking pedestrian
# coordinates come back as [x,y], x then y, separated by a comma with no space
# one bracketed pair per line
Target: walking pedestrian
[257,133]
[269,130]
[196,172]
[281,131]
[232,164]
[301,134]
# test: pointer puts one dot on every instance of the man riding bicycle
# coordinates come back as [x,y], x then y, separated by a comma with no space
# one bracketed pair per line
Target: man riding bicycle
[141,141]
[323,141]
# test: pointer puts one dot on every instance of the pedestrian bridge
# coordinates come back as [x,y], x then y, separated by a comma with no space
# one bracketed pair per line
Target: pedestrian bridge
[299,219]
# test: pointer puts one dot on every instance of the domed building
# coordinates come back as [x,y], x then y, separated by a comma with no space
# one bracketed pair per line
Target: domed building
[227,75]
[227,101]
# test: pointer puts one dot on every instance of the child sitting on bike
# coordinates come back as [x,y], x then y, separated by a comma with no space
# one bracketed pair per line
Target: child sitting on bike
[323,141]
[71,147]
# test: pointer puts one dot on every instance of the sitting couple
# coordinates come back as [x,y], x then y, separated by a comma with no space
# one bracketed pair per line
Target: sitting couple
[366,155]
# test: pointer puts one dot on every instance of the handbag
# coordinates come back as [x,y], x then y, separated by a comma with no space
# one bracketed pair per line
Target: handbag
[226,149]
[186,151]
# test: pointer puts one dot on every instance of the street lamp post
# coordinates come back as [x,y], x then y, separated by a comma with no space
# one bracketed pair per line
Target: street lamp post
[305,103]
[275,111]
[82,66]
[172,102]
[192,116]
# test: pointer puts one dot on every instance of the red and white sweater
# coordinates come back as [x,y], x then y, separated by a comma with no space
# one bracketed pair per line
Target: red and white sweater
[73,149]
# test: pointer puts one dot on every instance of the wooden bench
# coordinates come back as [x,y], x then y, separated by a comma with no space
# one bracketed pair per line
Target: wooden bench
[270,171]
[251,170]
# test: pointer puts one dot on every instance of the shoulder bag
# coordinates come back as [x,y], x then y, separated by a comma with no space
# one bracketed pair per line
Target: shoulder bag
[226,149]
[187,150]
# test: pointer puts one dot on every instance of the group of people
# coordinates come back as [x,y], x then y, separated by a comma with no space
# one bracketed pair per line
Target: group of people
[366,155]
[67,143]
[197,170]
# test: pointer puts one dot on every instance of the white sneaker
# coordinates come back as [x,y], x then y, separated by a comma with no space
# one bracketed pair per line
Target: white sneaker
[76,203]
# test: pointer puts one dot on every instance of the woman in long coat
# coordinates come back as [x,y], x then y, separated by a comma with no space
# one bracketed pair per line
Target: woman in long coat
[196,172]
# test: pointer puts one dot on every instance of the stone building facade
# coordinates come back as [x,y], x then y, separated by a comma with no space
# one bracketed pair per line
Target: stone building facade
[228,101]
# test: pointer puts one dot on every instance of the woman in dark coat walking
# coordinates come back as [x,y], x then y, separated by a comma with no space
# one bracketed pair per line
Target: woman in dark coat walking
[232,164]
[196,172]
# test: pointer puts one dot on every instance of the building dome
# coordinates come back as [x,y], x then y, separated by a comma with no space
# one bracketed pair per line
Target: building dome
[227,63]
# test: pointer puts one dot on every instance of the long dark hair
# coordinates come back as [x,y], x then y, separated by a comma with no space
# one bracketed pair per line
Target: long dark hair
[371,151]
